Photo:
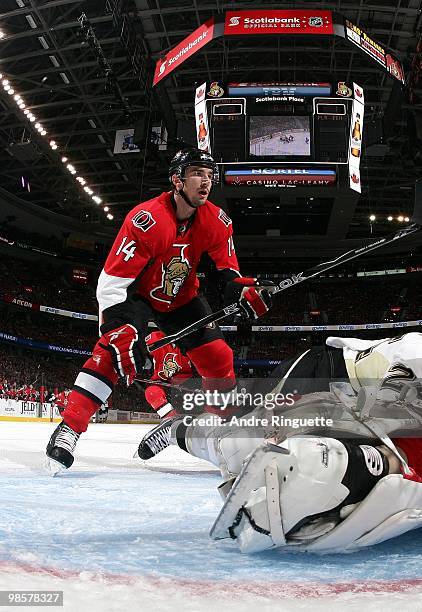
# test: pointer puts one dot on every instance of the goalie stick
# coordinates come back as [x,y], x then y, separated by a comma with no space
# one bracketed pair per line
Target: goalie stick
[296,279]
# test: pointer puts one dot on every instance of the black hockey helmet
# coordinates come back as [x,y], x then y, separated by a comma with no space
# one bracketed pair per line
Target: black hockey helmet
[192,157]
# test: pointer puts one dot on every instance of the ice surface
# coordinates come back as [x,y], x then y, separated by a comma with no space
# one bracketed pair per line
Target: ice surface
[116,536]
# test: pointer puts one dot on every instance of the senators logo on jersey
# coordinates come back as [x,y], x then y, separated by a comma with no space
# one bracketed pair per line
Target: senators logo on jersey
[170,366]
[174,274]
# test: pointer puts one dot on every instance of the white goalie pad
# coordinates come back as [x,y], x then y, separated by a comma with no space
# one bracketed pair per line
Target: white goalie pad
[393,507]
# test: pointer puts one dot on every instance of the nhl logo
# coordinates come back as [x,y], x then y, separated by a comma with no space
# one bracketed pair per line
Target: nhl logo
[315,22]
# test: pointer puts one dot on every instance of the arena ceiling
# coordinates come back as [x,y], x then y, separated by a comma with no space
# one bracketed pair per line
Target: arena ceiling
[82,93]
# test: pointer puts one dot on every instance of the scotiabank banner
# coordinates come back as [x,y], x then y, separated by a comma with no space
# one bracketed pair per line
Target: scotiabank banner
[278,22]
[185,49]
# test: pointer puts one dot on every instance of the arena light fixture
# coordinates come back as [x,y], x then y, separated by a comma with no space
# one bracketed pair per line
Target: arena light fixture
[407,219]
[110,216]
[372,217]
[41,130]
[389,218]
[106,208]
[2,34]
[400,218]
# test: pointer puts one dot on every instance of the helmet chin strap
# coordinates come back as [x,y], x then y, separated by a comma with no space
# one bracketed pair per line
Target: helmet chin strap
[184,196]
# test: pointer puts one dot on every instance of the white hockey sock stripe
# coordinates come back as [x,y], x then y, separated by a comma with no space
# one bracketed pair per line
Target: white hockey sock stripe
[93,385]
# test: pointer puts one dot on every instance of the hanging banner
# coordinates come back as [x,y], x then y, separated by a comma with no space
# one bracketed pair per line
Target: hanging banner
[278,22]
[185,49]
[376,51]
[123,142]
[355,139]
[201,119]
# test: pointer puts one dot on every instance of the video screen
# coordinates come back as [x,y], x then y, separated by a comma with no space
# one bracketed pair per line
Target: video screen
[279,135]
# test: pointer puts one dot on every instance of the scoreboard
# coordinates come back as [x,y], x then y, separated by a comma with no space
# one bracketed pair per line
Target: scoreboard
[282,134]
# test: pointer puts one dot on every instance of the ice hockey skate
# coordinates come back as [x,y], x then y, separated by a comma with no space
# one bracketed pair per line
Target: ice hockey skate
[60,448]
[156,440]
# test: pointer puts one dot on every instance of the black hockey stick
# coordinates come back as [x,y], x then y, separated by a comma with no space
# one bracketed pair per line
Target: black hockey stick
[294,280]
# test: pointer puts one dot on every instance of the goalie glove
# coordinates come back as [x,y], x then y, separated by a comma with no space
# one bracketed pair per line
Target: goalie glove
[254,300]
[123,344]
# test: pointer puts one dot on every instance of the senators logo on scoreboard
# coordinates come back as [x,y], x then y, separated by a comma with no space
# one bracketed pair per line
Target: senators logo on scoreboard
[174,274]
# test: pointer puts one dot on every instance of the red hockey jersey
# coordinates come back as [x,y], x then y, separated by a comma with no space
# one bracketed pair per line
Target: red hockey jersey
[153,247]
[170,365]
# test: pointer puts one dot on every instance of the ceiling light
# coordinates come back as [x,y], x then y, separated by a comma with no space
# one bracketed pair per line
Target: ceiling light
[5,82]
[64,159]
[64,78]
[31,118]
[6,87]
[407,219]
[26,112]
[92,123]
[101,138]
[43,42]
[10,91]
[16,97]
[96,199]
[37,125]
[372,217]
[31,21]
[110,216]
[20,3]
[106,208]
[400,218]
[69,166]
[54,60]
[43,132]
[22,105]
[2,34]
[389,218]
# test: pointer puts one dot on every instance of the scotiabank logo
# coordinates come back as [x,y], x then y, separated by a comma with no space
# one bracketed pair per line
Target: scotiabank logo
[162,68]
[234,21]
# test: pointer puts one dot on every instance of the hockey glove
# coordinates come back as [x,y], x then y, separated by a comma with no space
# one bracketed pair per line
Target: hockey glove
[124,347]
[254,300]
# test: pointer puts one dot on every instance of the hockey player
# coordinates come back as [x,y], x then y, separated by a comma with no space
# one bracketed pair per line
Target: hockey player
[285,485]
[150,274]
[385,363]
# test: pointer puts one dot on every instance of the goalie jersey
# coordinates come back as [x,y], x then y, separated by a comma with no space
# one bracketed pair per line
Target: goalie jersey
[389,362]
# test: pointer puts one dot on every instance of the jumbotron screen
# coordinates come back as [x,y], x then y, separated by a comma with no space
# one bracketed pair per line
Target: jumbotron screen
[274,136]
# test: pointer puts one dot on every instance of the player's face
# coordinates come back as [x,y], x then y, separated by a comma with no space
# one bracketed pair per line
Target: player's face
[198,183]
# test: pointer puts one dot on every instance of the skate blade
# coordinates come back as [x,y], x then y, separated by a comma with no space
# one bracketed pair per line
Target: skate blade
[53,467]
